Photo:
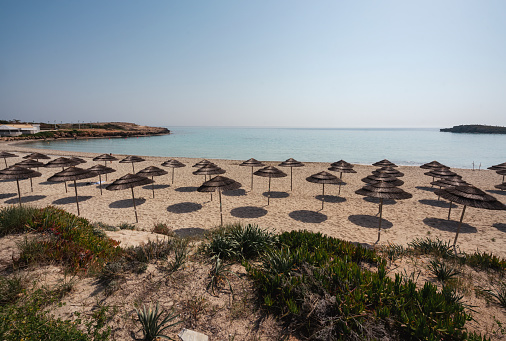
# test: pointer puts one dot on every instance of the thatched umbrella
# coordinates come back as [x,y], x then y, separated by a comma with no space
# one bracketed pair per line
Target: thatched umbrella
[28,163]
[152,171]
[270,172]
[441,173]
[502,186]
[219,183]
[72,174]
[388,170]
[36,156]
[77,160]
[61,162]
[384,163]
[324,178]
[383,177]
[501,172]
[209,169]
[341,166]
[252,163]
[132,159]
[173,164]
[291,163]
[18,173]
[433,165]
[99,170]
[449,182]
[129,181]
[383,190]
[202,163]
[498,167]
[5,155]
[469,196]
[105,158]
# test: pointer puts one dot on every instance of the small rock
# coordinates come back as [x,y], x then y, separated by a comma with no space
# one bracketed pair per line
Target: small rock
[190,335]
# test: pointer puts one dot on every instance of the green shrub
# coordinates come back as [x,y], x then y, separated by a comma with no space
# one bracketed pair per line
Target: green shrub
[153,324]
[436,247]
[10,289]
[161,228]
[442,270]
[126,226]
[16,219]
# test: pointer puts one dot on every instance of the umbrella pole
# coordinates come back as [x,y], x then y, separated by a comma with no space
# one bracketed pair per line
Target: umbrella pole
[105,164]
[153,186]
[5,160]
[449,211]
[77,201]
[133,168]
[173,175]
[431,185]
[252,179]
[460,224]
[19,191]
[221,213]
[31,184]
[65,182]
[291,179]
[381,214]
[439,195]
[269,192]
[135,208]
[323,195]
[340,178]
[100,182]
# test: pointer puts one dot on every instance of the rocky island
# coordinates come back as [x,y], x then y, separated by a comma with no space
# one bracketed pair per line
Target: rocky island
[475,129]
[90,130]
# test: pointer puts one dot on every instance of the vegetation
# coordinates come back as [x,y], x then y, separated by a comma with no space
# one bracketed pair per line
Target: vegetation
[153,324]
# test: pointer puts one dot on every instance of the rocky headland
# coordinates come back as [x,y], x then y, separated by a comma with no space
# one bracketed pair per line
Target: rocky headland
[475,129]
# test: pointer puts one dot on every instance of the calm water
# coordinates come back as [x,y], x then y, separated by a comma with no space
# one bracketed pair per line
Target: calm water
[364,146]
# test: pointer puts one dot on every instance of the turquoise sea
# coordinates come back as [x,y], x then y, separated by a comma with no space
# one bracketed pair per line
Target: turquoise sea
[363,146]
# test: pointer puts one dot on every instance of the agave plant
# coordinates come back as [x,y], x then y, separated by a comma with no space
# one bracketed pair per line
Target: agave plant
[152,326]
[219,274]
[442,271]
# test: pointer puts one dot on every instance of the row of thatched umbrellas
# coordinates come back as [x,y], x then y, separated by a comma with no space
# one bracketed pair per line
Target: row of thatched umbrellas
[381,184]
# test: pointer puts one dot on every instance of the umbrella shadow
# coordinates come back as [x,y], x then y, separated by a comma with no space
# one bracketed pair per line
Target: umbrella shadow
[494,191]
[7,195]
[186,189]
[71,200]
[28,198]
[189,232]
[377,201]
[124,203]
[248,212]
[330,198]
[449,225]
[276,195]
[437,203]
[306,216]
[425,188]
[82,184]
[47,183]
[234,193]
[184,207]
[369,221]
[500,226]
[159,186]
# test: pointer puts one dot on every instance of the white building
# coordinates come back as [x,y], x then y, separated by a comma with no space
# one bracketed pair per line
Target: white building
[18,129]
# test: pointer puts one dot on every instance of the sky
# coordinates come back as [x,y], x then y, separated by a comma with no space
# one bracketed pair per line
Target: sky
[330,64]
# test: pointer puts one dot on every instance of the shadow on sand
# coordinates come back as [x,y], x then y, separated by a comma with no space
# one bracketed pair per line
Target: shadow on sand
[425,188]
[186,189]
[160,186]
[189,232]
[234,193]
[72,199]
[28,198]
[306,216]
[369,221]
[127,203]
[330,198]
[449,225]
[248,212]
[7,195]
[500,226]
[437,203]
[377,201]
[184,207]
[276,195]
[496,191]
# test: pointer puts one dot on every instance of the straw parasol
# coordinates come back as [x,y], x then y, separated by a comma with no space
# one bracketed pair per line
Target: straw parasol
[388,170]
[173,164]
[441,173]
[341,166]
[449,182]
[202,163]
[209,169]
[129,181]
[77,160]
[291,163]
[28,163]
[469,196]
[99,170]
[501,172]
[433,165]
[18,173]
[61,162]
[384,163]
[72,174]
[132,159]
[324,178]
[5,155]
[383,190]
[383,177]
[105,158]
[36,156]
[219,183]
[270,172]
[498,167]
[152,171]
[252,163]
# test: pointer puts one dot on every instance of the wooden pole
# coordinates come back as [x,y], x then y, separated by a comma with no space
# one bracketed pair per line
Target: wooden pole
[153,186]
[460,224]
[252,178]
[100,182]
[5,160]
[323,195]
[19,191]
[31,184]
[449,211]
[291,179]
[173,175]
[105,164]
[133,168]
[77,200]
[135,208]
[221,213]
[381,214]
[269,192]
[66,191]
[340,178]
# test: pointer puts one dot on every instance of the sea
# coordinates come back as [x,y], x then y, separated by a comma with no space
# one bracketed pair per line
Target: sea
[403,146]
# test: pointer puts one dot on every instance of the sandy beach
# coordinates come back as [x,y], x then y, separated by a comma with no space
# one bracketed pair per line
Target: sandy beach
[349,216]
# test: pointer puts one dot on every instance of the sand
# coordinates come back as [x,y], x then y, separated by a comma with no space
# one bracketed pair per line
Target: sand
[349,216]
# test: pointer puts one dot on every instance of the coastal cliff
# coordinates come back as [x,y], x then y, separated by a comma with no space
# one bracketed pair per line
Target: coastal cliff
[91,130]
[475,129]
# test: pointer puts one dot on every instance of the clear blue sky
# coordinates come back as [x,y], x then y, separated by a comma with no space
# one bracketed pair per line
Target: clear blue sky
[255,63]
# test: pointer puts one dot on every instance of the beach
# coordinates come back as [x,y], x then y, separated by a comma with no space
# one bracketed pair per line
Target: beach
[187,212]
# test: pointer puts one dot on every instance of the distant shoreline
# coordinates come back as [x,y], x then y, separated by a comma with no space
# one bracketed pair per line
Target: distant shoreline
[475,129]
